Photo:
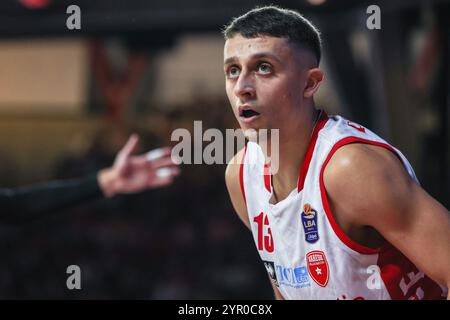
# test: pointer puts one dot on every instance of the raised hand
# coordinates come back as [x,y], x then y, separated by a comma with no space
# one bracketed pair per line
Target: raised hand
[130,174]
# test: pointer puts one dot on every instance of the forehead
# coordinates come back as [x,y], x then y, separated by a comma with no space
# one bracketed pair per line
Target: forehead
[241,48]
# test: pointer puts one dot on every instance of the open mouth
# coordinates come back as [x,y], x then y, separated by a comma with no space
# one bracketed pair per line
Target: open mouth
[247,112]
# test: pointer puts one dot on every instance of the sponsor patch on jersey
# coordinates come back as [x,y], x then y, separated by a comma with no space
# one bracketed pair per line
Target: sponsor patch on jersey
[270,267]
[318,267]
[286,276]
[309,222]
[293,277]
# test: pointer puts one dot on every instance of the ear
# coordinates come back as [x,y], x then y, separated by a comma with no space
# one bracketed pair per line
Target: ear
[314,78]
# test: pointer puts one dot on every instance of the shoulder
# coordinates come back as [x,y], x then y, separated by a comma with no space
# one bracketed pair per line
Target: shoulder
[366,182]
[362,159]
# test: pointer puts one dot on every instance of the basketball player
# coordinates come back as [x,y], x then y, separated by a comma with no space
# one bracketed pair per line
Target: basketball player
[128,174]
[344,217]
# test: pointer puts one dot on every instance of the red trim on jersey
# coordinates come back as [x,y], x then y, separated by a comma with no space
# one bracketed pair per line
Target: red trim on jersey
[403,280]
[323,118]
[241,174]
[337,229]
[267,177]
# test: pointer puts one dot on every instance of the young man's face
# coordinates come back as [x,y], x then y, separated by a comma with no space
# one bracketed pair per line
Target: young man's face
[264,81]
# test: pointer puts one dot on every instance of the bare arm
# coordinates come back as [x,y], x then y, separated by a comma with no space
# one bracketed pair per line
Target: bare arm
[234,188]
[369,187]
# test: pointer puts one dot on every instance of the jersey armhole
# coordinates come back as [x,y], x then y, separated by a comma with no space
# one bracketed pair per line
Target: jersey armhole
[241,174]
[336,228]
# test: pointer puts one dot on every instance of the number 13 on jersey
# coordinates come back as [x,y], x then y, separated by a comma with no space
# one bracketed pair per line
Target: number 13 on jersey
[265,239]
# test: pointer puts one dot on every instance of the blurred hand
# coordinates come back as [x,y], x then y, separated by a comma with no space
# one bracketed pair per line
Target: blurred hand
[130,174]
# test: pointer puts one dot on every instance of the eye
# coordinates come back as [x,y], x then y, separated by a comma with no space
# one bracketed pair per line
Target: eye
[264,68]
[232,72]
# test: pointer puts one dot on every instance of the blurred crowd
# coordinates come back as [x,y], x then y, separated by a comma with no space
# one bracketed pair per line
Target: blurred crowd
[180,242]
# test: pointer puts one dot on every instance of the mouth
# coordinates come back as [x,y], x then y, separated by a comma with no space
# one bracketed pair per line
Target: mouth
[247,113]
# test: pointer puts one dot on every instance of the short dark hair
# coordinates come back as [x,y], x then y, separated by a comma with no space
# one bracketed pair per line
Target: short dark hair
[276,22]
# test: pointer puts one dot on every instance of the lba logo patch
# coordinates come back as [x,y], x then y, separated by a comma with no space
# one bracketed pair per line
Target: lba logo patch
[270,267]
[309,222]
[318,267]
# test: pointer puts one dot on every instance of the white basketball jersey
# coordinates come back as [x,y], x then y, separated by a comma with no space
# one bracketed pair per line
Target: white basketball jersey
[304,250]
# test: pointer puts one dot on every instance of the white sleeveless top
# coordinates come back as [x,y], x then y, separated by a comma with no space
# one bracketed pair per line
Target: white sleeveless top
[304,250]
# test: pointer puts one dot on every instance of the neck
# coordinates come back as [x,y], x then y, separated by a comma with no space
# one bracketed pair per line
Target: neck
[294,139]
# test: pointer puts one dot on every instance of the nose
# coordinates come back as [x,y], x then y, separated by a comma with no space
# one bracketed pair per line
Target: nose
[244,87]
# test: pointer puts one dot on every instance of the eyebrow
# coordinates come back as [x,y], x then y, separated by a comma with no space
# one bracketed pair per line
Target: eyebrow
[252,57]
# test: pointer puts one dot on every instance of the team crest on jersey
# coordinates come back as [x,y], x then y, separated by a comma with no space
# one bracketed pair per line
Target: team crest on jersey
[309,222]
[270,267]
[318,267]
